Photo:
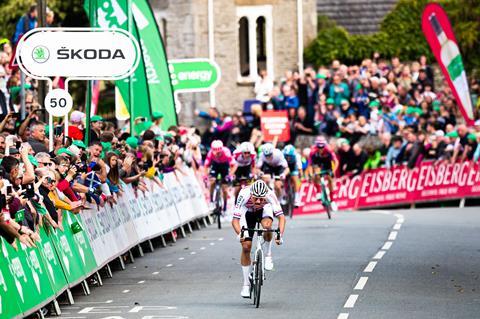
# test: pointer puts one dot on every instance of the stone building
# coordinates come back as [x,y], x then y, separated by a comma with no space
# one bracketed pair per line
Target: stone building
[248,35]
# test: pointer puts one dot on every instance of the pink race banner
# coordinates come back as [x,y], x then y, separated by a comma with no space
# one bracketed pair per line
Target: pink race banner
[384,187]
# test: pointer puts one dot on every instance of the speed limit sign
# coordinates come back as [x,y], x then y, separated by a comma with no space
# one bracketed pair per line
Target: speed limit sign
[58,102]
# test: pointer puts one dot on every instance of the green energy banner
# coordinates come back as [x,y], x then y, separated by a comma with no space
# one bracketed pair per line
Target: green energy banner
[150,84]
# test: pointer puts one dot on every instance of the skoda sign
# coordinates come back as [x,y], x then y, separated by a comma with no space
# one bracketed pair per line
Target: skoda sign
[80,53]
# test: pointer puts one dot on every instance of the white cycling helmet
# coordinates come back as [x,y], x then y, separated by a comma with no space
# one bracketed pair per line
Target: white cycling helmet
[216,145]
[245,147]
[259,189]
[267,149]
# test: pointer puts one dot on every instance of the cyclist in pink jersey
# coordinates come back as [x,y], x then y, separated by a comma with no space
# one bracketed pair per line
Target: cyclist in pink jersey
[220,161]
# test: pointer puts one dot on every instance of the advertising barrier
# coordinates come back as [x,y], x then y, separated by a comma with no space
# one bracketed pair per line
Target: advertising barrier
[32,277]
[399,185]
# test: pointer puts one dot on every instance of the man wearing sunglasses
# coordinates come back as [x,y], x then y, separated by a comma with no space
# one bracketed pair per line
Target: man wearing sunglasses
[322,161]
[256,203]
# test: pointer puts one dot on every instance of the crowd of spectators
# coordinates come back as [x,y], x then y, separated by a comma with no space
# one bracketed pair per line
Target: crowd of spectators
[378,113]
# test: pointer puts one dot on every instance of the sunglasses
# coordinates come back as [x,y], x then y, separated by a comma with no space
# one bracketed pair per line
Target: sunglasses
[49,180]
[46,163]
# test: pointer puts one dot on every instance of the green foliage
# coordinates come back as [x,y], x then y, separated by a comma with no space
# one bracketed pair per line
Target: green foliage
[400,35]
[67,13]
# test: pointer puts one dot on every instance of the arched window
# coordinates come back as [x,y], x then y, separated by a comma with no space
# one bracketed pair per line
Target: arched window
[261,45]
[255,34]
[243,41]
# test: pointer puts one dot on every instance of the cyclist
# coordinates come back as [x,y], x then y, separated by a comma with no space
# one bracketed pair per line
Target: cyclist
[272,162]
[294,161]
[221,161]
[321,161]
[256,202]
[244,157]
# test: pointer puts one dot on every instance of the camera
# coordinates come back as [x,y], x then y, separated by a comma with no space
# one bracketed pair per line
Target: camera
[29,191]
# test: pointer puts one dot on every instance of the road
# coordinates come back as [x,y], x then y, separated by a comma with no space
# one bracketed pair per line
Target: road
[374,264]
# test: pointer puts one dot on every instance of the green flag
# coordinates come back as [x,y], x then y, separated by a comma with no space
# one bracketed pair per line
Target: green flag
[155,60]
[151,88]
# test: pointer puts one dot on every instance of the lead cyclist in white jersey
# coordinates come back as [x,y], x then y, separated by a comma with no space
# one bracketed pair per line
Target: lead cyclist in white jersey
[256,203]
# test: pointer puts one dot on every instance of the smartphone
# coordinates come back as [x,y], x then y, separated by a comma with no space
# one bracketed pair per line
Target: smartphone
[9,189]
[58,130]
[18,144]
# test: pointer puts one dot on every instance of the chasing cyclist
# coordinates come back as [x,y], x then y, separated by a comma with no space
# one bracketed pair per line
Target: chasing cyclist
[322,160]
[220,159]
[244,157]
[272,163]
[294,161]
[256,203]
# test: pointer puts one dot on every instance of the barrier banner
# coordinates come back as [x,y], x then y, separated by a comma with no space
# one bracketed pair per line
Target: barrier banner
[399,185]
[32,288]
[73,250]
[9,307]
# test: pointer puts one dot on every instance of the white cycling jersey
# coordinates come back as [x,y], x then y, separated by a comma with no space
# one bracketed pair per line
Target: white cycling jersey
[276,160]
[245,203]
[242,160]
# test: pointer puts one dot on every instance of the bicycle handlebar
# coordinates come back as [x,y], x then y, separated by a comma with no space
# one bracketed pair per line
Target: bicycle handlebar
[260,231]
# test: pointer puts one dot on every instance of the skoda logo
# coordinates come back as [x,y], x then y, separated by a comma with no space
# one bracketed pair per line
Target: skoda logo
[40,54]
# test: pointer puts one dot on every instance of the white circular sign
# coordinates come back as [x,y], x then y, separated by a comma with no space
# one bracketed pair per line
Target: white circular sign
[58,102]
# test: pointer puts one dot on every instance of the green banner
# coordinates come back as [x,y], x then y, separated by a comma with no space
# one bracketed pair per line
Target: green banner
[155,60]
[194,75]
[151,88]
[9,307]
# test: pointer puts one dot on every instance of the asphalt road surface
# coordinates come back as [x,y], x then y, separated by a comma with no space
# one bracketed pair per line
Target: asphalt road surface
[378,264]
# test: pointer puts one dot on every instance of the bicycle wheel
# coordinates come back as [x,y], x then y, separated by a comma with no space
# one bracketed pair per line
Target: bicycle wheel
[326,202]
[218,205]
[291,199]
[258,278]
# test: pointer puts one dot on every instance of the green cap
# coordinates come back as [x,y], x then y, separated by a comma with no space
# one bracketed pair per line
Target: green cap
[132,141]
[472,137]
[330,101]
[321,76]
[33,160]
[79,143]
[157,115]
[344,101]
[64,150]
[106,146]
[452,134]
[96,118]
[374,103]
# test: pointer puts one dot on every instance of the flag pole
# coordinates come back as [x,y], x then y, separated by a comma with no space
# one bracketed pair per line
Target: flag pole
[130,78]
[88,100]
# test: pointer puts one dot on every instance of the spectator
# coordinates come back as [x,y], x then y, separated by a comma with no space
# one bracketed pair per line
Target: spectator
[263,87]
[26,23]
[338,90]
[359,159]
[96,123]
[37,138]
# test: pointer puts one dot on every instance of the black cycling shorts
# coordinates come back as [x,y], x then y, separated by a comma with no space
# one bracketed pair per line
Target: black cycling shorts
[252,218]
[267,169]
[219,168]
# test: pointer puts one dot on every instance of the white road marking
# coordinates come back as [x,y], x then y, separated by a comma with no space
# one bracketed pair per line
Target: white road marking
[370,267]
[343,315]
[109,301]
[400,220]
[220,239]
[379,255]
[137,309]
[181,258]
[352,299]
[202,248]
[155,273]
[141,282]
[361,283]
[212,244]
[192,253]
[126,291]
[169,265]
[397,226]
[387,245]
[393,235]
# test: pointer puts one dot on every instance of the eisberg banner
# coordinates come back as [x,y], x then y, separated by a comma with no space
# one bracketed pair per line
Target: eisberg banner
[399,185]
[440,37]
